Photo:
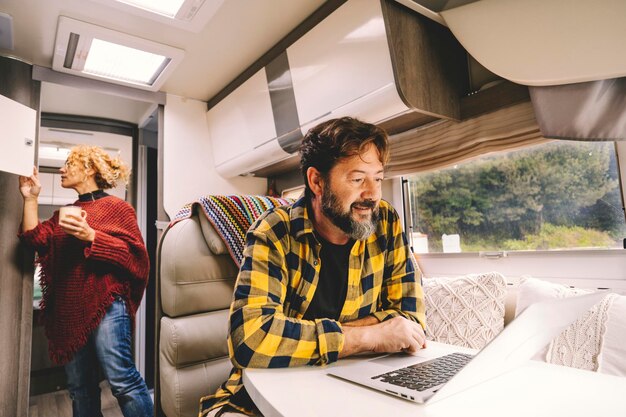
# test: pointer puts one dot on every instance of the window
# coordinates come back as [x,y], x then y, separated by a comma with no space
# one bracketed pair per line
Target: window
[554,196]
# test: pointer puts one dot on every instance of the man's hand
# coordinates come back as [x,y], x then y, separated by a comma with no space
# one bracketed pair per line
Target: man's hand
[398,334]
[394,335]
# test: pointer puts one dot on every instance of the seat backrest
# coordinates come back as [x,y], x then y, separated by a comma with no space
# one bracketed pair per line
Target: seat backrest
[195,276]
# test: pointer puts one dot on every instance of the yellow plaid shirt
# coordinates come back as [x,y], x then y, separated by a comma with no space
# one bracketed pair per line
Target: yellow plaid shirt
[277,281]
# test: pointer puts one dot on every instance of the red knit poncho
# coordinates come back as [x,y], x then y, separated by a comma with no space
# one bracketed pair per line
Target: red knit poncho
[79,279]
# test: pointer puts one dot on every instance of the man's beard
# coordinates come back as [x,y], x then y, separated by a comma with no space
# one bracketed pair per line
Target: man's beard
[358,230]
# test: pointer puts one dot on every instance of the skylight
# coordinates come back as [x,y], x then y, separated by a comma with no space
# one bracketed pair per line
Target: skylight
[165,7]
[191,15]
[120,62]
[96,52]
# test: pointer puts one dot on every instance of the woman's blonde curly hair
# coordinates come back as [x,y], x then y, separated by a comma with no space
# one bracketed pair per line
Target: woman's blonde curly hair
[109,171]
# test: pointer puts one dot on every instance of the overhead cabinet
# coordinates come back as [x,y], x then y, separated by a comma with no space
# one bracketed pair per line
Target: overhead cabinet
[371,59]
[242,130]
[378,61]
[342,67]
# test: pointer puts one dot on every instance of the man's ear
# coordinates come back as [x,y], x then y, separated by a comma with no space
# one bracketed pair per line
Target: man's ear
[316,181]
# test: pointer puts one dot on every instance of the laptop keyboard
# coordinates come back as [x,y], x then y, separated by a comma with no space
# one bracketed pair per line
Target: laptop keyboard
[426,375]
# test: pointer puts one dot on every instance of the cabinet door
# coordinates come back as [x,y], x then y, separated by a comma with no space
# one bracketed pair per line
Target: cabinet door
[243,120]
[343,58]
[19,124]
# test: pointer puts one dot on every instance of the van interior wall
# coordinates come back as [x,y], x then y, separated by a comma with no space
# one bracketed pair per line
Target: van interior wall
[16,263]
[188,167]
[287,180]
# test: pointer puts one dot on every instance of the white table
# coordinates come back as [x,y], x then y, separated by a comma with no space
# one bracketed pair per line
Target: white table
[534,390]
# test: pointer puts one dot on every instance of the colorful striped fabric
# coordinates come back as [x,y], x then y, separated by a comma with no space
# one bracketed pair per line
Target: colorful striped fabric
[232,216]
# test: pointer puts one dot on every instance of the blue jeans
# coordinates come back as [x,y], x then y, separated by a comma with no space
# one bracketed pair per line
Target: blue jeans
[110,346]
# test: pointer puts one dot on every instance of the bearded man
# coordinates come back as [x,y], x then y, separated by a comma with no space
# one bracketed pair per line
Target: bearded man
[327,277]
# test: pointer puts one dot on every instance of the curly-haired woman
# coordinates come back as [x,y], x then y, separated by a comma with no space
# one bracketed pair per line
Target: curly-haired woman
[94,272]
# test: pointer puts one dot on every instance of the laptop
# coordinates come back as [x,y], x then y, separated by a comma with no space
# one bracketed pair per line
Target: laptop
[432,375]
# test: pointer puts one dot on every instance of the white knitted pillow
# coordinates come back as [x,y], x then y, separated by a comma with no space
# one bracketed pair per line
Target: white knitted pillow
[595,342]
[465,311]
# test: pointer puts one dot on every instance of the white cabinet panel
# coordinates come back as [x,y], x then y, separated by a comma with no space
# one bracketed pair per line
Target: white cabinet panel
[251,160]
[374,107]
[243,120]
[19,124]
[342,59]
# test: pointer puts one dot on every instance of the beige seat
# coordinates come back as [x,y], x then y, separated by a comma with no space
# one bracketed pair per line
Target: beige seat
[195,276]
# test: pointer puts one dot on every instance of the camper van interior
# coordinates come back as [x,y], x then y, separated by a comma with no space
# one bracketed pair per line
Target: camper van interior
[507,132]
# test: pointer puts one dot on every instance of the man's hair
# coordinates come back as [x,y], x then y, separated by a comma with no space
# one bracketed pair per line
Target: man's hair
[333,140]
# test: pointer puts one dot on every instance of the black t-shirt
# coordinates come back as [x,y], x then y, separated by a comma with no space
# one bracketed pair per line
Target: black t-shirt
[330,294]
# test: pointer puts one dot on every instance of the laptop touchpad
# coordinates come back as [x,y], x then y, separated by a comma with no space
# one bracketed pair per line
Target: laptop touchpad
[398,360]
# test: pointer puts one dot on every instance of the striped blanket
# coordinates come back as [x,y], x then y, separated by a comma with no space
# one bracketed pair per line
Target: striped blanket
[231,216]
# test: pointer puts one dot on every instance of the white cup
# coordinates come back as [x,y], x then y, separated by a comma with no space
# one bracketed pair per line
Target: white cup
[73,210]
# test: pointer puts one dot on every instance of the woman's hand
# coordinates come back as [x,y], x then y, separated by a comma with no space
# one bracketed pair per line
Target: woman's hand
[30,187]
[77,226]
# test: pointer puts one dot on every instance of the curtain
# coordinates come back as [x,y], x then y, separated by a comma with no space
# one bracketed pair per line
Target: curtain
[446,143]
[594,110]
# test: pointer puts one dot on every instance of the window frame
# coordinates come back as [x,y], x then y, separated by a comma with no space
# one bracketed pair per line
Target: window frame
[587,268]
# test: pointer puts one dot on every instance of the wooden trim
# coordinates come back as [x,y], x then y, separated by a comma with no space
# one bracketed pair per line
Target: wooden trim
[429,64]
[407,121]
[504,94]
[318,15]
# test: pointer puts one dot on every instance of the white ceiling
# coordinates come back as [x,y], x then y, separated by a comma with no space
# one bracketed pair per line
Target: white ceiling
[239,33]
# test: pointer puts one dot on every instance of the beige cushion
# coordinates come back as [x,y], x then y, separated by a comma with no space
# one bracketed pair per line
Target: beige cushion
[193,360]
[196,275]
[191,339]
[465,311]
[212,238]
[193,278]
[182,388]
[596,341]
